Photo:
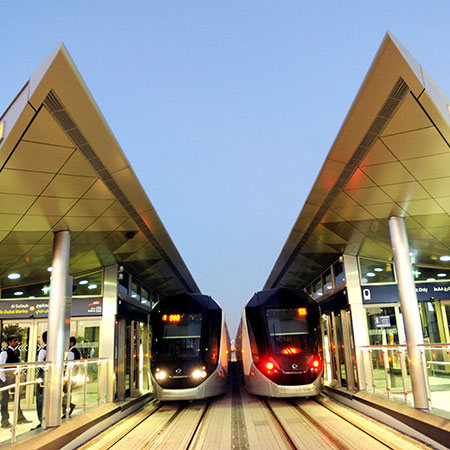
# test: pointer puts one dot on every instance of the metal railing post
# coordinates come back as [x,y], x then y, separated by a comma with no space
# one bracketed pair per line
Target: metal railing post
[425,372]
[386,376]
[44,412]
[16,404]
[85,386]
[401,357]
[372,376]
[69,390]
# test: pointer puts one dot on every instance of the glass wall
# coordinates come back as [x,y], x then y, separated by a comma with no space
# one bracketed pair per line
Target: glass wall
[327,281]
[86,284]
[372,271]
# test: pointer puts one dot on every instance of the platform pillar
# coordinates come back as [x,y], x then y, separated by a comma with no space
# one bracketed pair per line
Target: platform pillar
[59,313]
[410,309]
[359,318]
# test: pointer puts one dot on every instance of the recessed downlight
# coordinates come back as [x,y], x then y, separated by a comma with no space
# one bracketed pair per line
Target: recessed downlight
[18,293]
[31,296]
[445,258]
[371,274]
[14,276]
[49,269]
[431,279]
[92,286]
[378,269]
[441,275]
[83,282]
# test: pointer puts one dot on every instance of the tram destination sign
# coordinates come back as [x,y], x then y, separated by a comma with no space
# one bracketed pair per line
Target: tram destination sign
[38,308]
[388,293]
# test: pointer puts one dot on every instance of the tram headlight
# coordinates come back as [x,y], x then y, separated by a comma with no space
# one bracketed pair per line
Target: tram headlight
[160,374]
[199,373]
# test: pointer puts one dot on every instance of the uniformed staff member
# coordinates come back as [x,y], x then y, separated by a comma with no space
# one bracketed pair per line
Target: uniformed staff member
[72,355]
[41,357]
[9,356]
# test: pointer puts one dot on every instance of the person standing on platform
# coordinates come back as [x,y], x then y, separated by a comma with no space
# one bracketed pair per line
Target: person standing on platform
[9,356]
[41,357]
[72,355]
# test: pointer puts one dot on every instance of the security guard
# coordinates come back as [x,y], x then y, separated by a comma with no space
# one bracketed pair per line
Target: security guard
[9,356]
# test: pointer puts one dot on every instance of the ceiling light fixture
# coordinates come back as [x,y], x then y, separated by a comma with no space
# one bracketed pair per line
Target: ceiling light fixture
[49,269]
[83,282]
[445,258]
[441,275]
[14,276]
[378,269]
[371,274]
[18,293]
[92,286]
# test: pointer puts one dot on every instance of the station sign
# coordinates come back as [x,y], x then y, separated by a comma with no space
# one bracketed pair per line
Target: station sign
[38,308]
[382,322]
[388,293]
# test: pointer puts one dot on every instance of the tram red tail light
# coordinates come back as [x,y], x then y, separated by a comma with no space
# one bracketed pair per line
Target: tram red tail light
[315,365]
[269,367]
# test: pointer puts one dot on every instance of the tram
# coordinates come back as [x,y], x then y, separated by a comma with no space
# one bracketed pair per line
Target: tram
[189,356]
[279,344]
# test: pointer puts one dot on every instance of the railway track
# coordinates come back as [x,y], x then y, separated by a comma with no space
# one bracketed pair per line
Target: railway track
[242,421]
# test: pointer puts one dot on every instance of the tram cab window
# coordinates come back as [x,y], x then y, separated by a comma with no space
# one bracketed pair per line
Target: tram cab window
[181,336]
[289,330]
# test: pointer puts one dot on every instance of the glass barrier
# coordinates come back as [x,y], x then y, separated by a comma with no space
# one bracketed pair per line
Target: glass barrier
[85,386]
[386,370]
[14,380]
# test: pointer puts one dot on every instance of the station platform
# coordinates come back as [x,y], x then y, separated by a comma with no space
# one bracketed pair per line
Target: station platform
[238,420]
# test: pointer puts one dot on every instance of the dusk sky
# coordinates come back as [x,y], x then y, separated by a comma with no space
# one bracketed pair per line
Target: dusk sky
[225,109]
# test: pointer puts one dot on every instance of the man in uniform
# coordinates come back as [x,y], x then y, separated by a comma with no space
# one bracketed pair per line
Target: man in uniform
[9,356]
[72,355]
[41,357]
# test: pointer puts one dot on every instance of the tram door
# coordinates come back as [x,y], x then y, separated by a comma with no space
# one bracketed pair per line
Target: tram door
[341,349]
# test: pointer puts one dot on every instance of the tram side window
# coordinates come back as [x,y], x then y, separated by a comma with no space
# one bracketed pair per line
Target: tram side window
[253,344]
[382,326]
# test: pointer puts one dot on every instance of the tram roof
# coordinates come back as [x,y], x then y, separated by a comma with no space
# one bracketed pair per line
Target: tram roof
[63,169]
[390,157]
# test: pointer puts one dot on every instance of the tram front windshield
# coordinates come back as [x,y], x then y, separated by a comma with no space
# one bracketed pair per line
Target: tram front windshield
[289,331]
[181,336]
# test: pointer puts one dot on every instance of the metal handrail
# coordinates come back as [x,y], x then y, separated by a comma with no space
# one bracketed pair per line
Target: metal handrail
[19,368]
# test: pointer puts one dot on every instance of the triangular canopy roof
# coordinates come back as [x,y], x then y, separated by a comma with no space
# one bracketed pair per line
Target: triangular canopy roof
[62,169]
[390,157]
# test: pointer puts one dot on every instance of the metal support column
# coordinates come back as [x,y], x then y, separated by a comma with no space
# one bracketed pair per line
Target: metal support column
[410,309]
[59,312]
[358,318]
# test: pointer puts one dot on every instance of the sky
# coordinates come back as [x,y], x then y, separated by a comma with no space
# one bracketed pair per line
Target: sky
[226,110]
